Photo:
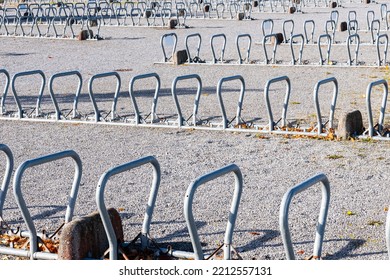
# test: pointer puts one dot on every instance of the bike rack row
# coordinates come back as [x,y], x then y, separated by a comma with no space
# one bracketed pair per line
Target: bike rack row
[269,45]
[178,119]
[49,20]
[145,241]
[189,120]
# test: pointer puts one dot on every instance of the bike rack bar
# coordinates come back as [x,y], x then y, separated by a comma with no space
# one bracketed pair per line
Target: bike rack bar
[188,213]
[352,15]
[196,57]
[311,37]
[22,204]
[332,24]
[76,98]
[28,73]
[223,36]
[353,27]
[375,26]
[334,15]
[329,41]
[240,59]
[357,43]
[299,60]
[7,175]
[6,86]
[381,61]
[98,116]
[269,29]
[166,59]
[113,243]
[320,125]
[284,209]
[225,121]
[370,17]
[383,11]
[273,59]
[153,113]
[181,120]
[286,99]
[285,23]
[371,129]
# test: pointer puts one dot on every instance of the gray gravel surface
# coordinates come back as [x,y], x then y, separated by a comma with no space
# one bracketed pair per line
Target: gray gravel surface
[357,170]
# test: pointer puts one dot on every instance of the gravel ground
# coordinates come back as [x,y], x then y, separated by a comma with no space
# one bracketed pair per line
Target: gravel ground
[271,164]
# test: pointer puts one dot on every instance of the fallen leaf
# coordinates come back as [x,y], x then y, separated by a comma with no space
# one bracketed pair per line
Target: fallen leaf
[375,223]
[254,233]
[300,252]
[350,213]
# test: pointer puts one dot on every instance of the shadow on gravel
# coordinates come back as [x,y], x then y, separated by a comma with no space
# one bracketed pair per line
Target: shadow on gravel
[348,249]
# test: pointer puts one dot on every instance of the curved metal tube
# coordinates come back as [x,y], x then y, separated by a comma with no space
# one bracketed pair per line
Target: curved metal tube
[320,125]
[7,175]
[71,199]
[188,213]
[181,119]
[225,121]
[349,41]
[322,60]
[240,59]
[290,21]
[371,129]
[98,116]
[28,73]
[223,36]
[155,98]
[299,60]
[311,38]
[112,240]
[191,59]
[381,61]
[6,86]
[78,91]
[166,59]
[284,209]
[285,104]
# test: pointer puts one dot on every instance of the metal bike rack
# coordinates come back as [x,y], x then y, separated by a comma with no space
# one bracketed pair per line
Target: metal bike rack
[370,17]
[98,115]
[196,58]
[353,27]
[135,15]
[7,178]
[330,28]
[6,86]
[375,26]
[286,37]
[180,119]
[188,211]
[294,60]
[267,27]
[220,9]
[273,58]
[59,113]
[334,15]
[382,60]
[248,49]
[108,227]
[226,123]
[37,109]
[138,118]
[247,9]
[354,38]
[31,233]
[223,36]
[271,122]
[163,42]
[377,130]
[320,230]
[383,11]
[352,15]
[329,43]
[234,9]
[320,125]
[305,28]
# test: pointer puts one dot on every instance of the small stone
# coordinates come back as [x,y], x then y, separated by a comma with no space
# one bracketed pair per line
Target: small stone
[240,16]
[292,10]
[350,124]
[278,37]
[172,23]
[180,57]
[343,26]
